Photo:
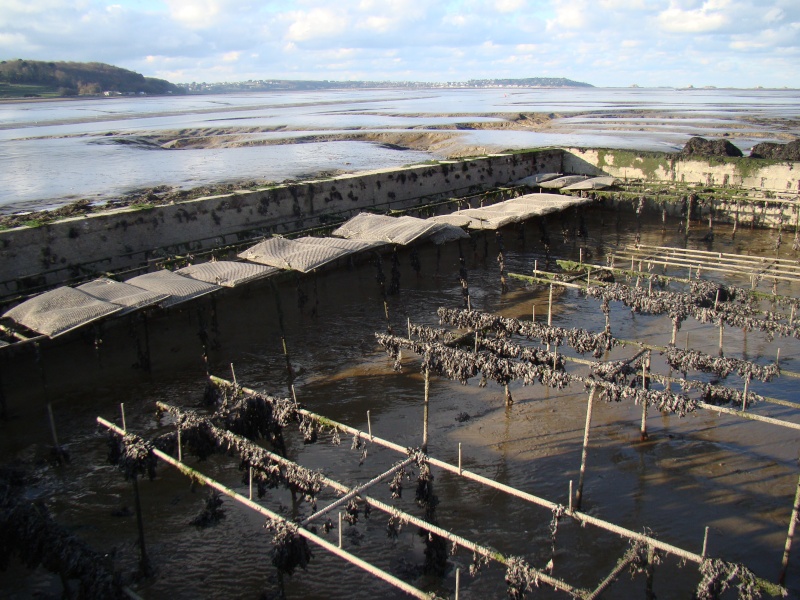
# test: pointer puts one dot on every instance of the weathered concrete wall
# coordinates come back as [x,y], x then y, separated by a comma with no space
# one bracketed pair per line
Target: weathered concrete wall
[748,173]
[129,238]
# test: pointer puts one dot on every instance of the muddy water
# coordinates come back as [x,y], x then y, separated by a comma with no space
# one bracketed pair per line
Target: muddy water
[736,477]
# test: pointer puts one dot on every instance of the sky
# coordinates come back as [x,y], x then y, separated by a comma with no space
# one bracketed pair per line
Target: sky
[607,43]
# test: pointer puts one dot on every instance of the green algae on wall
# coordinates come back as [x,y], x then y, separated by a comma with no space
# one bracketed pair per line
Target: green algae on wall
[649,163]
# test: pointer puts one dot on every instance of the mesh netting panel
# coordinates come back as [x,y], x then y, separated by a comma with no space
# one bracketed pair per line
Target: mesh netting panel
[124,294]
[354,245]
[560,182]
[402,230]
[179,288]
[361,224]
[226,272]
[538,178]
[595,183]
[302,254]
[511,211]
[59,311]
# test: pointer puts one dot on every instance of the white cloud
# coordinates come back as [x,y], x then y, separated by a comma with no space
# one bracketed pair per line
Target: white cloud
[316,23]
[617,42]
[711,16]
[570,15]
[194,13]
[506,6]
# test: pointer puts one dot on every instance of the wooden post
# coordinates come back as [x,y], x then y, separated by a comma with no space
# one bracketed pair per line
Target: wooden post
[721,329]
[250,496]
[369,427]
[584,451]
[458,581]
[790,535]
[649,569]
[340,529]
[144,564]
[705,543]
[643,429]
[425,412]
[122,410]
[674,333]
[744,395]
[460,471]
[570,495]
[550,307]
[53,425]
[180,450]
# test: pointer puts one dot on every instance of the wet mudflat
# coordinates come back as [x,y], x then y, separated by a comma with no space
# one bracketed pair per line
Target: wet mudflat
[737,477]
[95,151]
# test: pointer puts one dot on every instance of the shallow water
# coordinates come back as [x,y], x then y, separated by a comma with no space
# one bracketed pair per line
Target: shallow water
[735,476]
[49,153]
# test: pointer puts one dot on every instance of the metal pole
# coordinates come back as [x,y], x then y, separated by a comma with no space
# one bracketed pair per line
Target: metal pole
[584,451]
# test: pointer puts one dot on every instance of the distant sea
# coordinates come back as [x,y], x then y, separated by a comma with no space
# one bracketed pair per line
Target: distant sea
[55,152]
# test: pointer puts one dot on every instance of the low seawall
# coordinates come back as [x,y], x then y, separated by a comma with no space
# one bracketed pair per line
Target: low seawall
[136,237]
[748,191]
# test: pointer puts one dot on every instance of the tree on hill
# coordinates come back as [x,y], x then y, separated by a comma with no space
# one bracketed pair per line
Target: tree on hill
[72,78]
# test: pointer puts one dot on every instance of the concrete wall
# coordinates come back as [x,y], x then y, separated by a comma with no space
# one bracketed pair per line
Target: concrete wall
[85,247]
[748,173]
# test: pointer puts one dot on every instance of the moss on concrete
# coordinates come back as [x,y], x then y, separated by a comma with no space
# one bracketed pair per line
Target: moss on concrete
[649,163]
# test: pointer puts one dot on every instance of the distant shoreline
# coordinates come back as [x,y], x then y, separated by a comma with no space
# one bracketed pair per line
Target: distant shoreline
[438,88]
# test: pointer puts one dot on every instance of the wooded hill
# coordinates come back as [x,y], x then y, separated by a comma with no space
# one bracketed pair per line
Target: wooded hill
[31,78]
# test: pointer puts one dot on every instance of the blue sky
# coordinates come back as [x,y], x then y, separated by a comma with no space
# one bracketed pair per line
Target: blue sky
[613,43]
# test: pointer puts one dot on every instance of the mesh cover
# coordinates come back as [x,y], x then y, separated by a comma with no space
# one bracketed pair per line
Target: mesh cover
[557,184]
[512,211]
[178,288]
[227,273]
[59,311]
[595,183]
[303,254]
[393,230]
[537,179]
[126,295]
